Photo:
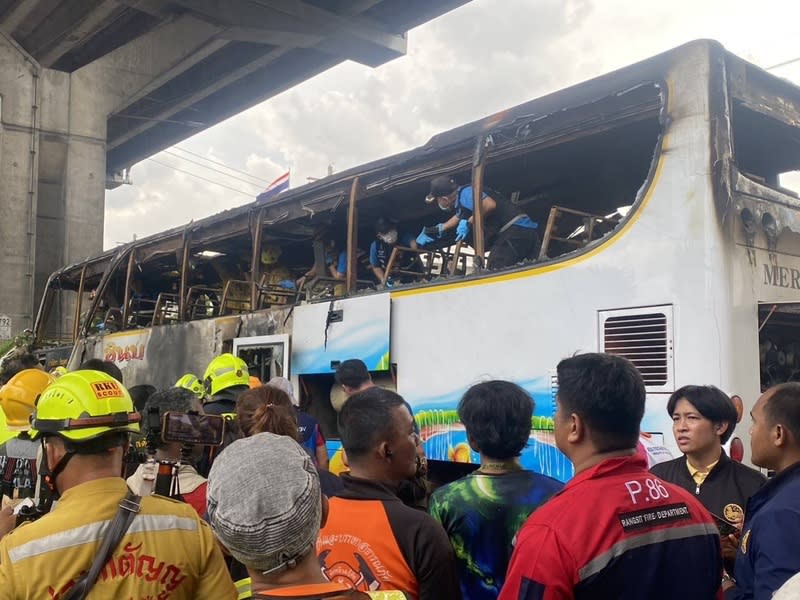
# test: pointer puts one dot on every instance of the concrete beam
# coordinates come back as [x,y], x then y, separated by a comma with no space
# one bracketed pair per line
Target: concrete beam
[18,14]
[154,8]
[198,95]
[301,25]
[342,45]
[349,22]
[200,53]
[132,71]
[48,48]
[373,52]
[349,34]
[273,37]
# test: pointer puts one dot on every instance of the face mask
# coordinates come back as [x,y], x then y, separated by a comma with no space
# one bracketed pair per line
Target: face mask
[390,237]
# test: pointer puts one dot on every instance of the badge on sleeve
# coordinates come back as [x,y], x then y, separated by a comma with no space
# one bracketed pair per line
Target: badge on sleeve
[745,541]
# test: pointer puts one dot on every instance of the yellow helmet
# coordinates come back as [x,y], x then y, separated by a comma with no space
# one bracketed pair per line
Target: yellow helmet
[83,405]
[5,434]
[18,397]
[190,382]
[270,254]
[58,372]
[225,371]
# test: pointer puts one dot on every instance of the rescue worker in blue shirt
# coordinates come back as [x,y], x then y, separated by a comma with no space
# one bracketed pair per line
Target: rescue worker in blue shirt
[510,234]
[769,549]
[335,262]
[380,251]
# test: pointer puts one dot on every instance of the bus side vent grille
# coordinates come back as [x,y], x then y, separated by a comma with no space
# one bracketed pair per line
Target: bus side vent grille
[644,340]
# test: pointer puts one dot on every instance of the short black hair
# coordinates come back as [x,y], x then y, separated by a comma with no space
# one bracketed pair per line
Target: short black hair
[711,402]
[178,400]
[140,394]
[497,416]
[99,445]
[366,419]
[607,392]
[783,408]
[104,366]
[352,373]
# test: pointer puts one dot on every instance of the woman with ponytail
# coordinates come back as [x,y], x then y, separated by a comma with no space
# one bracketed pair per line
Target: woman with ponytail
[269,409]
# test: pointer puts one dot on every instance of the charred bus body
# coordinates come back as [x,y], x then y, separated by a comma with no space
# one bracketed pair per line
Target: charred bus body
[666,237]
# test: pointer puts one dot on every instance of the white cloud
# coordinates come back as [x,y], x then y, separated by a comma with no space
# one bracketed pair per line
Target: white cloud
[476,60]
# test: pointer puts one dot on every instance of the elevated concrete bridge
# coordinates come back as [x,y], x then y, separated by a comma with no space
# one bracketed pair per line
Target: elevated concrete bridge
[91,87]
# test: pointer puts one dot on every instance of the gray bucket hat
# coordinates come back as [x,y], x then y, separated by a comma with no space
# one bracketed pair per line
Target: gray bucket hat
[264,502]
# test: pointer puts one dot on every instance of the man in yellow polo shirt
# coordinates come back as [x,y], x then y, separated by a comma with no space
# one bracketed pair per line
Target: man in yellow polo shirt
[84,420]
[703,419]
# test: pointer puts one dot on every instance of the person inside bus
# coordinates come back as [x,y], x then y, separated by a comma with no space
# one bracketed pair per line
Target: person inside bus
[335,265]
[275,273]
[107,303]
[510,235]
[703,419]
[387,237]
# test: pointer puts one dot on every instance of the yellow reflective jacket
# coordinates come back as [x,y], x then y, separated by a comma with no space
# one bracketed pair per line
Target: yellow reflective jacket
[168,551]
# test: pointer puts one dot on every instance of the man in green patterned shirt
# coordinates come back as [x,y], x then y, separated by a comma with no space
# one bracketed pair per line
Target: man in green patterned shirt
[483,511]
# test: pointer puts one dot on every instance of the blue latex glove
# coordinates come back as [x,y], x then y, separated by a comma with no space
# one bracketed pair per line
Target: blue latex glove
[286,284]
[462,231]
[423,238]
[427,233]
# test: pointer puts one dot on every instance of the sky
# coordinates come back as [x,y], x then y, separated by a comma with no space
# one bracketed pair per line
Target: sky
[476,60]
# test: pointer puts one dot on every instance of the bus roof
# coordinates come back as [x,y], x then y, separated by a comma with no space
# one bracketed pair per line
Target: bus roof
[444,153]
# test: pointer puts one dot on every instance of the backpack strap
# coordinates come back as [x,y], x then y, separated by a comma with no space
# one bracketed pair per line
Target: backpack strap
[128,509]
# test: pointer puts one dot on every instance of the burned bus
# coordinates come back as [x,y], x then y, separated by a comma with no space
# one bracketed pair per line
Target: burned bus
[667,236]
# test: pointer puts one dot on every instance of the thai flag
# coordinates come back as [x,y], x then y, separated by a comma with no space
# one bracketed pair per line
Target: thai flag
[281,184]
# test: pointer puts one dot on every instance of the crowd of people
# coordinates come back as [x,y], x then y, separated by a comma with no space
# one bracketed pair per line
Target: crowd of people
[257,514]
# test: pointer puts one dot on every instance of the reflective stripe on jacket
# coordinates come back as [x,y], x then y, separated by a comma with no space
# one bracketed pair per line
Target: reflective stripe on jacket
[168,551]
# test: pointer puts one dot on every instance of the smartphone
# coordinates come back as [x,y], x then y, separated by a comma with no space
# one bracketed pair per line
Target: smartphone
[725,528]
[190,428]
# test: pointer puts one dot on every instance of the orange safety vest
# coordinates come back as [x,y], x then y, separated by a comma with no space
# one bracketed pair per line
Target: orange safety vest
[357,548]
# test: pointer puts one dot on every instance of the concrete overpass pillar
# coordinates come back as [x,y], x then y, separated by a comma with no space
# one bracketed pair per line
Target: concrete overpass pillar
[53,155]
[19,165]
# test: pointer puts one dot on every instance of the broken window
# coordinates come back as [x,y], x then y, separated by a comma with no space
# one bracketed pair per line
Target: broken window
[779,343]
[766,150]
[588,163]
[575,171]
